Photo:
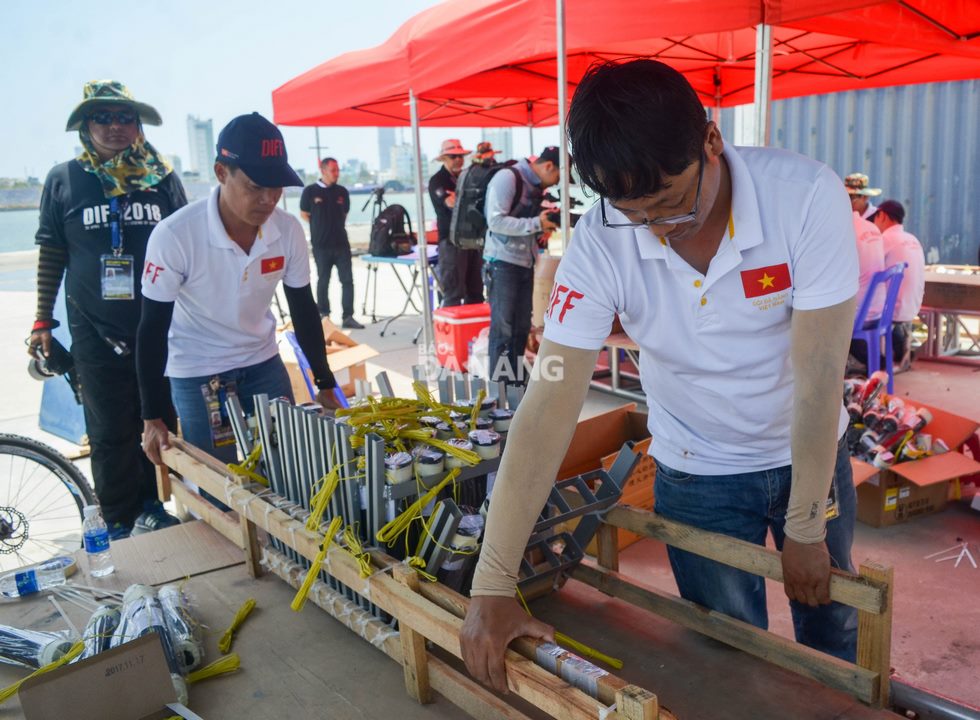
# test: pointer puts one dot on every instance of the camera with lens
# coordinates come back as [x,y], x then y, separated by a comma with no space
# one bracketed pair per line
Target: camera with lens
[57,362]
[554,213]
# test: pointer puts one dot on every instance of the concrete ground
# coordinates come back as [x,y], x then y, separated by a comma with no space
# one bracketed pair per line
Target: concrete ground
[936,638]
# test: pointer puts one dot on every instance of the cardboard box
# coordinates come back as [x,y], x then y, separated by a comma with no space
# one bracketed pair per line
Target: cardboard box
[919,487]
[600,436]
[947,288]
[345,355]
[638,491]
[129,682]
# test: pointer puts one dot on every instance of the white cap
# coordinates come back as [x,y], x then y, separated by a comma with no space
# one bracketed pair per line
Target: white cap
[91,511]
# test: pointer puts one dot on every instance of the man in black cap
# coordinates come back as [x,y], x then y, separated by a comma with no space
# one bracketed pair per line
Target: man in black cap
[516,228]
[97,212]
[211,271]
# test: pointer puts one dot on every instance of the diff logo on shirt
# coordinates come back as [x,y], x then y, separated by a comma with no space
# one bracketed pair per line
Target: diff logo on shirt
[273,264]
[565,296]
[765,280]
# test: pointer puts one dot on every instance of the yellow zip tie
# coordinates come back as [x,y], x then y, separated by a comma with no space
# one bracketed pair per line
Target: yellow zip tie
[354,547]
[300,600]
[221,666]
[72,653]
[477,403]
[419,564]
[580,648]
[224,644]
[247,467]
[320,499]
[467,456]
[393,530]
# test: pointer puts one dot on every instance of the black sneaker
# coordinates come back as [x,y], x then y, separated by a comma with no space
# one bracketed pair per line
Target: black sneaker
[351,324]
[119,531]
[154,520]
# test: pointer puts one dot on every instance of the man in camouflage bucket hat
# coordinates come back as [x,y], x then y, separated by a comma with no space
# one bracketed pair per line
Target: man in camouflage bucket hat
[97,212]
[857,187]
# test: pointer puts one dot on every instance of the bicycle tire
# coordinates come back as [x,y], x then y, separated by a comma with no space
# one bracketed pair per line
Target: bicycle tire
[36,484]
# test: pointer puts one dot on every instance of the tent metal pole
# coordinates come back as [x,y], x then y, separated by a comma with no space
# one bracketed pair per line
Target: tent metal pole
[763,82]
[562,110]
[426,350]
[530,127]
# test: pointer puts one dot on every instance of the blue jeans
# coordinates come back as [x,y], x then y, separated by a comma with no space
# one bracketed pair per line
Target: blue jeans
[267,377]
[509,292]
[746,506]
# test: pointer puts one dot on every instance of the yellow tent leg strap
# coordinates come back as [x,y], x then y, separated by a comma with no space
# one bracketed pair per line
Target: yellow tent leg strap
[224,644]
[221,666]
[300,600]
[72,653]
[578,647]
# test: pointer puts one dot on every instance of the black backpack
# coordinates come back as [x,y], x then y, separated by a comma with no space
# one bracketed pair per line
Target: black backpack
[468,229]
[391,233]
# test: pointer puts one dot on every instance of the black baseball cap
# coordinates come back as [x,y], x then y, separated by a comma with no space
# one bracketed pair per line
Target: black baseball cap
[893,209]
[552,154]
[255,145]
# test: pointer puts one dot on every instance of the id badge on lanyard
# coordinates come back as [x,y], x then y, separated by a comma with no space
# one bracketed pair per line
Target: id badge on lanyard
[216,392]
[118,276]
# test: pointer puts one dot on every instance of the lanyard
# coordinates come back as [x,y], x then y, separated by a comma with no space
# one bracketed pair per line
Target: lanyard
[115,226]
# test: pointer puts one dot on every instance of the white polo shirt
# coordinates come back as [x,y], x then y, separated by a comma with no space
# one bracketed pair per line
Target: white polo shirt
[901,246]
[871,259]
[715,349]
[222,296]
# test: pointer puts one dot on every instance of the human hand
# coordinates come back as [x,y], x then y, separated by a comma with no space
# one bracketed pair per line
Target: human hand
[328,399]
[490,626]
[156,437]
[450,199]
[39,339]
[546,225]
[806,572]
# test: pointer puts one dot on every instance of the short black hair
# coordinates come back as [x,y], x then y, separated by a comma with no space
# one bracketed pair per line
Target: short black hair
[632,122]
[328,160]
[232,167]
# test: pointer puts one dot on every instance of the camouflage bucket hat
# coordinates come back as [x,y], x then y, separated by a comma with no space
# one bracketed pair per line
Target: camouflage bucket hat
[109,92]
[857,184]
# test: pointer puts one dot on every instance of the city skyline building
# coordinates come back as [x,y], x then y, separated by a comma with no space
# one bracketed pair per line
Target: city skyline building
[200,138]
[386,141]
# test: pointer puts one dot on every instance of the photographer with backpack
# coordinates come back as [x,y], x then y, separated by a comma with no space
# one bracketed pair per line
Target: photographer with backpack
[459,267]
[516,228]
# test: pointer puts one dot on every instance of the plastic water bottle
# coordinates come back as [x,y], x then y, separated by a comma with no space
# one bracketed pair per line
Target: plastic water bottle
[27,582]
[96,536]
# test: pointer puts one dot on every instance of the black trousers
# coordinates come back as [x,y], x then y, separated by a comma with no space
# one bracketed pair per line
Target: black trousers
[327,258]
[510,289]
[125,480]
[460,275]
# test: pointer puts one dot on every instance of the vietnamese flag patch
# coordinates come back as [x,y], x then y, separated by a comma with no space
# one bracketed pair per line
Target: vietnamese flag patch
[765,280]
[273,264]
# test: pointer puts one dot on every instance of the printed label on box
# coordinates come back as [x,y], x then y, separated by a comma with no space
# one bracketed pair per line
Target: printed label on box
[904,492]
[891,499]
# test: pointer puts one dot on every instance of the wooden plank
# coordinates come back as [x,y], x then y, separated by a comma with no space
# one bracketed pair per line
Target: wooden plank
[224,524]
[875,635]
[413,645]
[532,682]
[859,592]
[471,697]
[802,660]
[607,546]
[163,482]
[635,703]
[250,543]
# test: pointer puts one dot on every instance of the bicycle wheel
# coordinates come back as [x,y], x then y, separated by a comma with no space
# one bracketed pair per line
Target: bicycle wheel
[41,499]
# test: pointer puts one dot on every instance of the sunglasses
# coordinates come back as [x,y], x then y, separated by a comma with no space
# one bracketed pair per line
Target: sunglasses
[119,117]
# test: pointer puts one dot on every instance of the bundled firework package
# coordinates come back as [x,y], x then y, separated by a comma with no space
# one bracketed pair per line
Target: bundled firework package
[905,455]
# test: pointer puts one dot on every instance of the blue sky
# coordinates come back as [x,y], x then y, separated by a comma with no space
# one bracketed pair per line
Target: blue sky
[213,59]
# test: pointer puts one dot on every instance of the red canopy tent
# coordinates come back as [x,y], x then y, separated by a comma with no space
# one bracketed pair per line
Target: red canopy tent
[487,63]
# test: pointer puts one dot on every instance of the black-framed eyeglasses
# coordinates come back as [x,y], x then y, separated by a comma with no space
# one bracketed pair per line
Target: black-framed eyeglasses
[107,117]
[671,220]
